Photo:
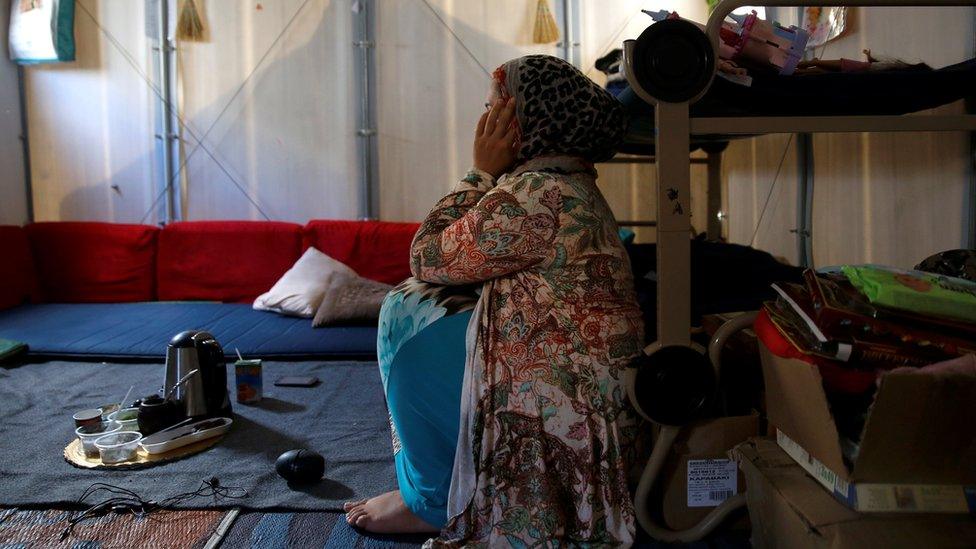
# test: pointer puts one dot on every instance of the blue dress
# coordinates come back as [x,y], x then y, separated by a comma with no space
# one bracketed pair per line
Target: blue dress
[421,353]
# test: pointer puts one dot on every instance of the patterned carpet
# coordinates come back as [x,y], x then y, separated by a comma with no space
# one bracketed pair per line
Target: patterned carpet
[23,528]
[312,530]
[329,531]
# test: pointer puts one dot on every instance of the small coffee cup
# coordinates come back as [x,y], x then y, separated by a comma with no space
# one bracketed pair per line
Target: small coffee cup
[91,416]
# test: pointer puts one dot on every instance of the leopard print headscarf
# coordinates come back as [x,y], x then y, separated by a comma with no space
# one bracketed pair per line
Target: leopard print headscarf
[560,111]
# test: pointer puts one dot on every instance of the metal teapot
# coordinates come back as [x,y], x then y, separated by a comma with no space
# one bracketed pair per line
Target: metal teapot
[196,376]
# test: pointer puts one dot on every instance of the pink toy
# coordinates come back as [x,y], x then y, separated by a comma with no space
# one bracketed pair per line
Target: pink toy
[769,43]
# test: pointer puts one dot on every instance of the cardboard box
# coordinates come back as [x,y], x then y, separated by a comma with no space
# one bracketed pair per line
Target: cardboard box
[706,444]
[789,509]
[918,448]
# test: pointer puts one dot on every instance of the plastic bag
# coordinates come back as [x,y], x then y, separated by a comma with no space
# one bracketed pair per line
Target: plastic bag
[823,24]
[915,291]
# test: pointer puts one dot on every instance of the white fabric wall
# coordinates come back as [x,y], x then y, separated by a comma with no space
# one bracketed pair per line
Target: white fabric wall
[885,198]
[91,121]
[287,132]
[13,197]
[288,137]
[280,117]
[432,91]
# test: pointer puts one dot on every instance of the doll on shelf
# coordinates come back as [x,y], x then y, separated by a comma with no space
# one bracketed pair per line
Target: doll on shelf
[872,64]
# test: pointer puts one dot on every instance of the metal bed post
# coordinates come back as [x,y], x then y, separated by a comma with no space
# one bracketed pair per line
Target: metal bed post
[673,223]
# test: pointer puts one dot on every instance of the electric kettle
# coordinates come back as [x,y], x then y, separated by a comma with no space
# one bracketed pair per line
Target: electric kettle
[196,376]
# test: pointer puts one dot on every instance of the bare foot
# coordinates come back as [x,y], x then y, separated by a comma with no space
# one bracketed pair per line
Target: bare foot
[385,514]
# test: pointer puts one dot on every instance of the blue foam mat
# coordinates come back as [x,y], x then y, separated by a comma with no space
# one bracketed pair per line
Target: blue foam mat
[142,330]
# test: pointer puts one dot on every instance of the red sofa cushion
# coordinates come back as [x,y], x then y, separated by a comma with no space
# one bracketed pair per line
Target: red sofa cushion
[18,279]
[378,250]
[233,261]
[85,262]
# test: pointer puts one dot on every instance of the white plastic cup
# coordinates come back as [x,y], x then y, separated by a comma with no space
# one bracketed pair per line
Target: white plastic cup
[131,421]
[118,446]
[87,434]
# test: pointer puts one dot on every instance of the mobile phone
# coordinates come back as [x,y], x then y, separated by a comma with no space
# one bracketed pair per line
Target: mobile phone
[297,381]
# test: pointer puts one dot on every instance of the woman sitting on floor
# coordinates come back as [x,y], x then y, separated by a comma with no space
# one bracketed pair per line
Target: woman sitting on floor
[545,437]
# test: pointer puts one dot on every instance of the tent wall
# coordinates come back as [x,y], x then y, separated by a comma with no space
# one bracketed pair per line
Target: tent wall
[274,84]
[272,96]
[13,196]
[885,198]
[91,121]
[432,90]
[269,92]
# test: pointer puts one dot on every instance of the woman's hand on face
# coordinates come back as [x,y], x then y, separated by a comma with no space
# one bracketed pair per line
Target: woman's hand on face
[494,140]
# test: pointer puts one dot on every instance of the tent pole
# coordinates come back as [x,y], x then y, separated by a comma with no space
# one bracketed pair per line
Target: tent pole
[164,50]
[25,143]
[567,42]
[367,131]
[804,200]
[570,42]
[969,205]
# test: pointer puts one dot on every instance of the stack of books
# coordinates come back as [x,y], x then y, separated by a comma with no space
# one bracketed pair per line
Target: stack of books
[858,322]
[831,317]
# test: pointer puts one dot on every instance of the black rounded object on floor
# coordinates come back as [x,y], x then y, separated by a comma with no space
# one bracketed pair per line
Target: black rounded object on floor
[300,466]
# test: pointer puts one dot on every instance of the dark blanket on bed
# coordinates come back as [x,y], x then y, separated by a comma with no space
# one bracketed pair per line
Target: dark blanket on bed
[867,93]
[724,278]
[344,418]
[882,92]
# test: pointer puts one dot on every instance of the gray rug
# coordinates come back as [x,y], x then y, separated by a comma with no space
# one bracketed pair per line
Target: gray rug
[343,418]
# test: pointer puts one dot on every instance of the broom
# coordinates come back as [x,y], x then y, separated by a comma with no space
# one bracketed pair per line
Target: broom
[545,30]
[189,27]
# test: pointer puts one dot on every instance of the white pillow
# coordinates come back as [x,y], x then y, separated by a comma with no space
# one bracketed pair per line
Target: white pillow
[299,291]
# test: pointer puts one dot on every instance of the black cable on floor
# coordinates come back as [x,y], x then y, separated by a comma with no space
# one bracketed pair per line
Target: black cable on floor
[123,500]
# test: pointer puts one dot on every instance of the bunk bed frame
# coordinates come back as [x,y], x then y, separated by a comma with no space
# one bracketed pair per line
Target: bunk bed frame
[713,164]
[671,66]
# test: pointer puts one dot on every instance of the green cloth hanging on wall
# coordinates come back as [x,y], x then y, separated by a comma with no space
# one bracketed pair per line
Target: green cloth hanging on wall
[42,31]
